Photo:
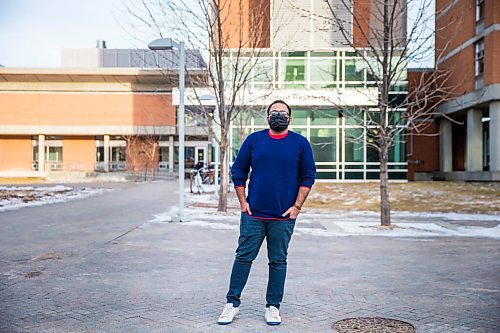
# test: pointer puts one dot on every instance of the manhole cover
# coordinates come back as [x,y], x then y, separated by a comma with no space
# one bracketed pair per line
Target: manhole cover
[372,325]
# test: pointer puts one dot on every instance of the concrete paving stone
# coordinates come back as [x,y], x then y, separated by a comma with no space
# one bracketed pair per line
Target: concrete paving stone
[163,277]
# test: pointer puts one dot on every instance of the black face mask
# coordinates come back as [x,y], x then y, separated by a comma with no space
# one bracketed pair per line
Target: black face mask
[278,122]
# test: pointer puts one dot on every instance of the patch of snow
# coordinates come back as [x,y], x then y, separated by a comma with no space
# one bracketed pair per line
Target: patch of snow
[401,230]
[480,232]
[55,188]
[335,225]
[211,225]
[16,197]
[449,216]
[165,216]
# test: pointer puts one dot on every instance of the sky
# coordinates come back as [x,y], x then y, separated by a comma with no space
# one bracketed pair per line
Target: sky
[33,32]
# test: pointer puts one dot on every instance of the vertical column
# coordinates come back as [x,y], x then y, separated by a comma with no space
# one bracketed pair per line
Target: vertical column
[445,146]
[474,146]
[216,169]
[171,153]
[41,153]
[106,153]
[495,136]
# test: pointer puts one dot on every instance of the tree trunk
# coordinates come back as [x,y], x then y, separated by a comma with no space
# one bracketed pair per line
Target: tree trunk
[385,207]
[222,207]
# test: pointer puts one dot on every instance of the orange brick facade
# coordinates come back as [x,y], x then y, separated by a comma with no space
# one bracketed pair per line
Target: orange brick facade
[468,53]
[76,117]
[86,109]
[247,23]
[15,153]
[79,153]
[422,148]
[492,57]
[244,24]
[454,25]
[456,28]
[362,13]
[459,71]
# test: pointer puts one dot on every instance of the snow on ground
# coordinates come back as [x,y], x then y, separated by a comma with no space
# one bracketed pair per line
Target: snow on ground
[352,219]
[15,197]
[400,230]
[347,224]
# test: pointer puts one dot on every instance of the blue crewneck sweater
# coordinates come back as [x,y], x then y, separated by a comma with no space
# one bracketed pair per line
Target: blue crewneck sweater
[279,164]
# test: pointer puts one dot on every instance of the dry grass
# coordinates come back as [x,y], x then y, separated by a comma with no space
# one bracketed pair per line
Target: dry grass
[20,180]
[460,197]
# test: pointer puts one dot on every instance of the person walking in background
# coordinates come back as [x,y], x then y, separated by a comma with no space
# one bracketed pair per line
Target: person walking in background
[282,174]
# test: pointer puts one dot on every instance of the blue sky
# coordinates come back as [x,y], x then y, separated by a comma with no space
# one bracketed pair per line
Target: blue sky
[33,32]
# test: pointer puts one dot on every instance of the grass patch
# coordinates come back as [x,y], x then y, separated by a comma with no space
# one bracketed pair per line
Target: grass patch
[459,197]
[21,180]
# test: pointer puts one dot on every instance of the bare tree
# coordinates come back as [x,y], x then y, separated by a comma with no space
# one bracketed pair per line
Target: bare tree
[384,42]
[142,154]
[231,35]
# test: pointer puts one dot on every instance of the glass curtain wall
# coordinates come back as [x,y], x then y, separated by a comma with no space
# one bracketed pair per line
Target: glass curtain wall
[339,146]
[319,70]
[338,137]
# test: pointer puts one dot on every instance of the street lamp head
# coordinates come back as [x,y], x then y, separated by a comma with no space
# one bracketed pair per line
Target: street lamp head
[163,44]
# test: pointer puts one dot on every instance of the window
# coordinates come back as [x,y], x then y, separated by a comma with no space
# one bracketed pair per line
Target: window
[263,70]
[100,154]
[239,136]
[118,158]
[295,70]
[188,157]
[324,117]
[54,155]
[353,117]
[354,70]
[163,157]
[480,57]
[479,10]
[300,116]
[294,54]
[34,162]
[354,145]
[324,70]
[397,152]
[397,100]
[372,154]
[323,143]
[53,152]
[118,154]
[163,154]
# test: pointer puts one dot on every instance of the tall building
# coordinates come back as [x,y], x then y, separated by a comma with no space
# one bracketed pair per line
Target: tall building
[302,59]
[468,53]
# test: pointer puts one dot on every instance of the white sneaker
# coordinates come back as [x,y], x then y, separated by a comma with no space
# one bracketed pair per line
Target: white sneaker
[273,316]
[228,314]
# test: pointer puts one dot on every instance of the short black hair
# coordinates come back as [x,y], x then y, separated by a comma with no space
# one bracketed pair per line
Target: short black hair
[282,102]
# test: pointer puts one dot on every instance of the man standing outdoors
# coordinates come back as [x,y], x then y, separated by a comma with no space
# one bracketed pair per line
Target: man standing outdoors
[282,174]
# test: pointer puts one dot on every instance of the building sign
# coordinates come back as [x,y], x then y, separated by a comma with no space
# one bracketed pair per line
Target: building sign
[296,97]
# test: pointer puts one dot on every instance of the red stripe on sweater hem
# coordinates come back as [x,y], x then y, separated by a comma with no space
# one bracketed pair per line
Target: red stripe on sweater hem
[266,218]
[239,186]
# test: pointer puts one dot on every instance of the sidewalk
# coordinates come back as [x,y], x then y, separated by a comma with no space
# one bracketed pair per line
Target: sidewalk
[108,263]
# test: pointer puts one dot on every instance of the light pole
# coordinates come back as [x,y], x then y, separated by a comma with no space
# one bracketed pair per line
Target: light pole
[169,44]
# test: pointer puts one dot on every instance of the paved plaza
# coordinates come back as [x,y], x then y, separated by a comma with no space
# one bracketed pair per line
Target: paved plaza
[101,264]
